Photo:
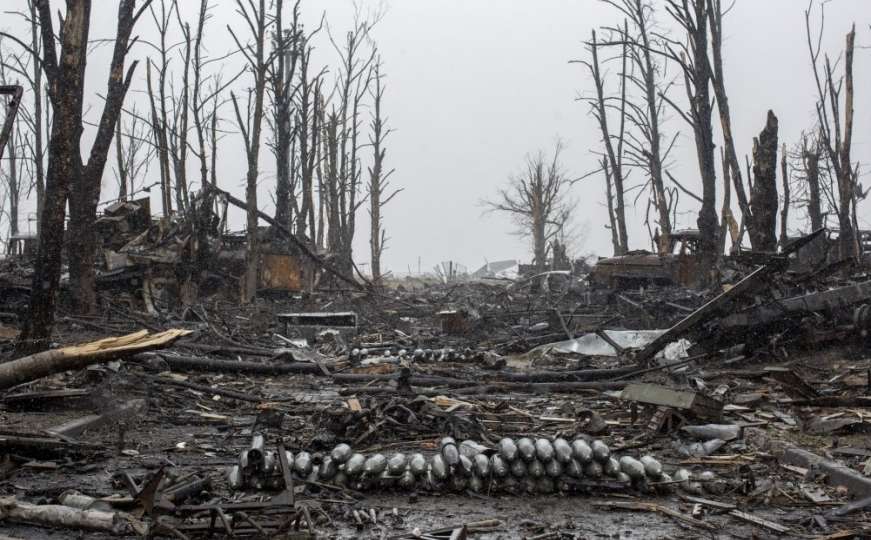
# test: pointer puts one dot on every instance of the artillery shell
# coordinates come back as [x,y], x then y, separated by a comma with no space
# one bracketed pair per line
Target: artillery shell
[354,465]
[682,475]
[507,449]
[518,468]
[593,469]
[438,467]
[328,468]
[341,479]
[623,478]
[652,468]
[396,464]
[581,451]
[601,452]
[341,453]
[449,452]
[417,464]
[234,477]
[446,441]
[526,448]
[466,466]
[499,466]
[387,480]
[611,467]
[536,469]
[632,467]
[375,465]
[574,469]
[406,481]
[482,465]
[303,463]
[313,474]
[544,450]
[475,483]
[562,450]
[553,468]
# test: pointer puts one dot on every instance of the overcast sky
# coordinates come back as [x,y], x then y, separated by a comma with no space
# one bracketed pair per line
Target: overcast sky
[475,85]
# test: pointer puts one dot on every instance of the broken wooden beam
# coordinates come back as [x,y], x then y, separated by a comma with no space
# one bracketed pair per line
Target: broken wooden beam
[57,515]
[195,363]
[76,427]
[36,366]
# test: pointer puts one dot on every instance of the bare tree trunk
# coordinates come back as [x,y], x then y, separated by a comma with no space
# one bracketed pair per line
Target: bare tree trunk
[122,165]
[38,126]
[762,222]
[614,161]
[162,148]
[784,212]
[692,15]
[811,160]
[66,89]
[197,97]
[13,182]
[846,182]
[378,177]
[251,128]
[281,81]
[86,195]
[612,221]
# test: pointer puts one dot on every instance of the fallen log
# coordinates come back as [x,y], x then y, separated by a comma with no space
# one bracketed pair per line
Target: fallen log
[45,363]
[57,515]
[195,363]
[540,388]
[566,376]
[416,380]
[76,427]
[228,349]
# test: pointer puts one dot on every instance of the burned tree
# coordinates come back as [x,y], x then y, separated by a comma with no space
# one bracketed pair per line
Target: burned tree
[308,134]
[281,85]
[762,221]
[613,158]
[837,141]
[341,134]
[537,201]
[691,15]
[380,192]
[133,154]
[68,176]
[251,127]
[646,148]
[11,172]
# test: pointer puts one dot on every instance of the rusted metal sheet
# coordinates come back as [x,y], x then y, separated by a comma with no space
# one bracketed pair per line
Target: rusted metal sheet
[280,272]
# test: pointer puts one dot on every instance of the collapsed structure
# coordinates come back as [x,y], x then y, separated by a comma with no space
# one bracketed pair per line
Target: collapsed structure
[353,396]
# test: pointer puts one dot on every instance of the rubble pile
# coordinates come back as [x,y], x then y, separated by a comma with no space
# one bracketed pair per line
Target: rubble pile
[353,413]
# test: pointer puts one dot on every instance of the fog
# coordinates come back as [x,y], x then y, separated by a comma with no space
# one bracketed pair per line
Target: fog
[475,85]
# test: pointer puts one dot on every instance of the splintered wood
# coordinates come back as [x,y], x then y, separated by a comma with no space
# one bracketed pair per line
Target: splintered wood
[45,363]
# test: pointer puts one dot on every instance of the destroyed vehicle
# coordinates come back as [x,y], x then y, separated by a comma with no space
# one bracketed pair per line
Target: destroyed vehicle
[641,268]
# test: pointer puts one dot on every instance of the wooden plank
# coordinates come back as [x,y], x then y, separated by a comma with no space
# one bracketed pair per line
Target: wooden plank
[756,520]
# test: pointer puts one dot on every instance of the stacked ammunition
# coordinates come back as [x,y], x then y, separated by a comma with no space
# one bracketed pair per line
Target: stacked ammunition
[523,465]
